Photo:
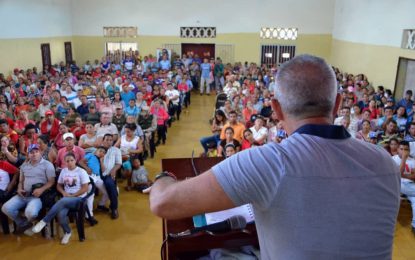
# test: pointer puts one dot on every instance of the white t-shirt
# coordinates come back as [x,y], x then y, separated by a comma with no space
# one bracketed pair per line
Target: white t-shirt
[106,129]
[263,131]
[127,145]
[72,180]
[129,65]
[4,180]
[172,93]
[410,165]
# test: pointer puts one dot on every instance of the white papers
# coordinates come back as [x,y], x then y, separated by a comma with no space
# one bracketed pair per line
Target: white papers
[245,210]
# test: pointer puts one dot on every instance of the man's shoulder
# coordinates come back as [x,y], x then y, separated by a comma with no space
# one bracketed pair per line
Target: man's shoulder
[78,148]
[46,163]
[62,150]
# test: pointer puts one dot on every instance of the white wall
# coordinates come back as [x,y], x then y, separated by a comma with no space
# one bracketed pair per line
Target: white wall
[378,22]
[161,17]
[33,19]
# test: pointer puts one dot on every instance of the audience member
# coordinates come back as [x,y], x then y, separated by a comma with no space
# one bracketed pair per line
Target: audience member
[36,176]
[73,185]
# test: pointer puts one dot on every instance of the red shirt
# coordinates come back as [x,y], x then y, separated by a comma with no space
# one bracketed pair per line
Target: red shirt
[79,132]
[8,167]
[14,137]
[374,113]
[183,87]
[53,132]
[161,115]
[148,98]
[20,124]
[17,109]
[76,150]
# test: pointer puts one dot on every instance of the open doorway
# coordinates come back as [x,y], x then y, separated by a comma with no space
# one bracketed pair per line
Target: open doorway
[405,77]
[203,50]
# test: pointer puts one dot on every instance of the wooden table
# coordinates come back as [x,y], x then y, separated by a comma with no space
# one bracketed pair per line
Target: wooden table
[199,244]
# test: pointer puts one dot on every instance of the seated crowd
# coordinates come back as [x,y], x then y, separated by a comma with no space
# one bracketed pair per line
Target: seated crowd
[73,125]
[67,126]
[246,119]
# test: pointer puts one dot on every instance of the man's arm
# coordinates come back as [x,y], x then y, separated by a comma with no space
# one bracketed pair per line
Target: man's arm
[84,164]
[20,184]
[38,192]
[172,199]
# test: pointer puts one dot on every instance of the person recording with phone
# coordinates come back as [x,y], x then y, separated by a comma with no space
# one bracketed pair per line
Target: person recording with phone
[37,175]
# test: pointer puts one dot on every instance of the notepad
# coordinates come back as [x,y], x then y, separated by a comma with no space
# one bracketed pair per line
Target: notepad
[245,210]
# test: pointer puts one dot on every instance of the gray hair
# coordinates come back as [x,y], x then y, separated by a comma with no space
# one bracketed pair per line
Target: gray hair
[306,87]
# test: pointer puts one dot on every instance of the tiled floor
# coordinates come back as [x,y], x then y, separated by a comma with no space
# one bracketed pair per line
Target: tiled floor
[137,233]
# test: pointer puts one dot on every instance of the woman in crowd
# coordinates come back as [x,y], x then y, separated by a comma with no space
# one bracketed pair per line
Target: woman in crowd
[217,124]
[249,140]
[374,110]
[139,100]
[247,112]
[48,152]
[132,120]
[107,107]
[78,129]
[70,118]
[227,107]
[130,145]
[58,141]
[229,133]
[162,116]
[20,106]
[29,137]
[400,117]
[8,150]
[89,141]
[364,133]
[117,102]
[230,150]
[259,132]
[22,122]
[393,146]
[73,185]
[63,107]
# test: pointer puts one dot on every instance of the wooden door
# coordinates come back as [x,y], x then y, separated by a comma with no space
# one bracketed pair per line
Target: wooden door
[68,52]
[46,57]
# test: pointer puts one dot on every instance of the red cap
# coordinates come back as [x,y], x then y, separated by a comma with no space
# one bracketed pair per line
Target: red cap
[49,113]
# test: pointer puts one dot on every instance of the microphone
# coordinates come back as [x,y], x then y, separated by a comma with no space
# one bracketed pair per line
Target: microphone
[233,223]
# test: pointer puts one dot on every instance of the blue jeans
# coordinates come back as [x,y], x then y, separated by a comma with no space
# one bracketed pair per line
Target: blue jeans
[205,140]
[111,187]
[61,209]
[11,209]
[408,188]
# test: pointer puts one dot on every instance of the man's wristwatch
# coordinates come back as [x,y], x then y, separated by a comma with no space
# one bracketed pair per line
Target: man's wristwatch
[165,174]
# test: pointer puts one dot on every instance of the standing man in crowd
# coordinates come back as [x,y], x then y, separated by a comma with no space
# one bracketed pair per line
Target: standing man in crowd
[218,73]
[304,209]
[205,76]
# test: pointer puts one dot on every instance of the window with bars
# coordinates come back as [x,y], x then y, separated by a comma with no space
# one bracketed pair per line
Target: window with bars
[276,54]
[112,47]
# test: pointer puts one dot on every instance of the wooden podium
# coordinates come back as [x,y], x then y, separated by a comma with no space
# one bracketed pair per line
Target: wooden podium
[198,245]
